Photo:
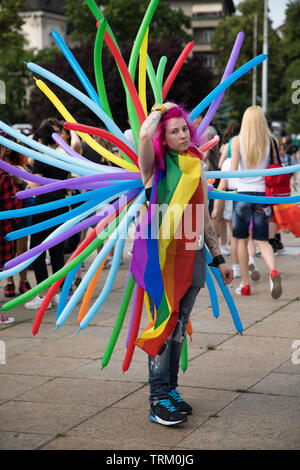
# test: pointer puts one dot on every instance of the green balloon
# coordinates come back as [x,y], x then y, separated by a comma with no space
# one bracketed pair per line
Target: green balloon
[98,67]
[184,356]
[119,321]
[153,81]
[160,71]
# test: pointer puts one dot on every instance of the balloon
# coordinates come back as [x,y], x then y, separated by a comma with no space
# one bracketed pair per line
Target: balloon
[255,199]
[90,141]
[247,173]
[175,70]
[39,227]
[44,158]
[212,293]
[90,291]
[226,294]
[80,96]
[142,72]
[134,123]
[184,355]
[153,80]
[106,135]
[124,70]
[135,328]
[76,67]
[45,150]
[98,67]
[229,69]
[77,183]
[119,321]
[132,316]
[63,145]
[46,245]
[209,144]
[63,271]
[13,170]
[123,228]
[54,287]
[225,84]
[160,71]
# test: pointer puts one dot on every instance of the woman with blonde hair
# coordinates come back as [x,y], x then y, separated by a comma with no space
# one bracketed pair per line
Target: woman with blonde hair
[251,151]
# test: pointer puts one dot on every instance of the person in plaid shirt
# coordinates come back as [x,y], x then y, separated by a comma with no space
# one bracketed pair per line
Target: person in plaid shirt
[7,248]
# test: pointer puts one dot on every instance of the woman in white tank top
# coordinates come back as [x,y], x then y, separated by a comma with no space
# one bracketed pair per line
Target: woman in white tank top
[251,151]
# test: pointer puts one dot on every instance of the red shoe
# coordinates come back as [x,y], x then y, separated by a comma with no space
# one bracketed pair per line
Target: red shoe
[9,290]
[24,287]
[243,290]
[275,284]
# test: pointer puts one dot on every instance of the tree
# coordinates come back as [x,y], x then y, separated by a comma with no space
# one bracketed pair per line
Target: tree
[12,54]
[124,18]
[240,93]
[290,103]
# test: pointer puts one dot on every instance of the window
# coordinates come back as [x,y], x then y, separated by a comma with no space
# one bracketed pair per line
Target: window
[203,36]
[209,61]
[208,10]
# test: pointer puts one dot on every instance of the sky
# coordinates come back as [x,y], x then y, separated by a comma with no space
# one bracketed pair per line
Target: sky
[276,11]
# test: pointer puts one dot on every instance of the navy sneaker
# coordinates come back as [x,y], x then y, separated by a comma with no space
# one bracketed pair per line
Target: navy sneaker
[180,404]
[164,412]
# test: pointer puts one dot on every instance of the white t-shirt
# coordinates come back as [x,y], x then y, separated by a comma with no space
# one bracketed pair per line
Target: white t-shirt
[231,182]
[252,183]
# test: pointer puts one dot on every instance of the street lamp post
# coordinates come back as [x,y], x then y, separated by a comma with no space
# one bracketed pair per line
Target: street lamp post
[265,63]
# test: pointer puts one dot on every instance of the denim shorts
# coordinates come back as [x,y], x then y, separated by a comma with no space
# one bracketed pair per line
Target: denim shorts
[242,213]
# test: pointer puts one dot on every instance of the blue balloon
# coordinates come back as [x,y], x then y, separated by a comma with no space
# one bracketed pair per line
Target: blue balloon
[49,206]
[212,293]
[76,67]
[227,195]
[97,262]
[225,84]
[227,296]
[247,173]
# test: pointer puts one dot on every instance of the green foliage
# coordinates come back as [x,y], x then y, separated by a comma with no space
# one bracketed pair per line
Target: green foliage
[240,93]
[124,18]
[291,47]
[12,55]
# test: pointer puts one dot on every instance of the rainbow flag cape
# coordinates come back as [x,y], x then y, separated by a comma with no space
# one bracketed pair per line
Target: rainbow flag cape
[166,241]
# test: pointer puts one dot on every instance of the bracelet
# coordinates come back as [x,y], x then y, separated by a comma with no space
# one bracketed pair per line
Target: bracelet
[217,260]
[159,107]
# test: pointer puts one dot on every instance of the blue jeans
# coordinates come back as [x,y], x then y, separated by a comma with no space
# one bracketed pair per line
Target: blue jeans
[242,213]
[164,367]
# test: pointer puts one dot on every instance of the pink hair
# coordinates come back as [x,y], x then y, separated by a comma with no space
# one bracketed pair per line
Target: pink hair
[160,148]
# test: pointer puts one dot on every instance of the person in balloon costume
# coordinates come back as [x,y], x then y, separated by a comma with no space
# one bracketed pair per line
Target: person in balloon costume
[175,250]
[167,156]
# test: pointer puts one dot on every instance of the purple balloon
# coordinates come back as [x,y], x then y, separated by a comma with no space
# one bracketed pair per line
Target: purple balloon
[66,147]
[25,175]
[132,316]
[228,71]
[80,182]
[113,207]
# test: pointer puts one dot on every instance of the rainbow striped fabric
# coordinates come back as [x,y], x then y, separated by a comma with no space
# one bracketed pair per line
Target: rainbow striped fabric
[165,243]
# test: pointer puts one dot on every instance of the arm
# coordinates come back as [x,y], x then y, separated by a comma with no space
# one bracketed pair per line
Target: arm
[211,239]
[235,153]
[146,151]
[223,153]
[75,143]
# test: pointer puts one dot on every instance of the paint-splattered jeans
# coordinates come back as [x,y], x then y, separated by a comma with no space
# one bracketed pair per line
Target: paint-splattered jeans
[164,367]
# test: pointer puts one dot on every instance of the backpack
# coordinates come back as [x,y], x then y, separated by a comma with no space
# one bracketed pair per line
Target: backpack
[277,185]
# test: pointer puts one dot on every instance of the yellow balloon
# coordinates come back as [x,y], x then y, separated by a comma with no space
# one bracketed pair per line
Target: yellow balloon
[143,71]
[88,139]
